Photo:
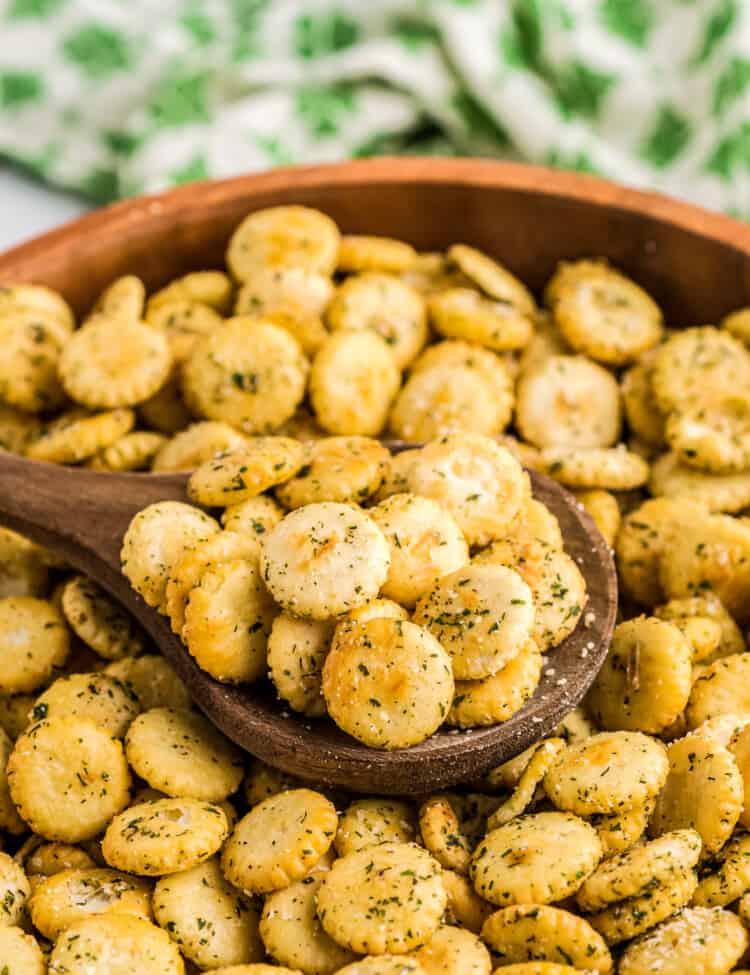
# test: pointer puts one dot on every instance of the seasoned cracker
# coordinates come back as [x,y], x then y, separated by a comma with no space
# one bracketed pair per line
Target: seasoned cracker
[696,361]
[607,773]
[535,859]
[497,698]
[645,681]
[279,841]
[133,452]
[634,872]
[99,621]
[153,681]
[345,469]
[369,822]
[364,252]
[453,950]
[180,753]
[234,476]
[387,898]
[284,236]
[97,697]
[34,643]
[212,288]
[164,836]
[385,305]
[479,482]
[70,896]
[110,362]
[387,683]
[554,407]
[207,918]
[115,943]
[188,570]
[635,916]
[228,619]
[297,649]
[446,400]
[353,380]
[482,614]
[248,373]
[602,313]
[698,938]
[77,435]
[30,347]
[68,777]
[703,792]
[539,932]
[464,313]
[324,559]
[292,933]
[155,540]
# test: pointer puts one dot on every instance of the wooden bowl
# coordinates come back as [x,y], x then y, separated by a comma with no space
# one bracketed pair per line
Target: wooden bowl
[696,264]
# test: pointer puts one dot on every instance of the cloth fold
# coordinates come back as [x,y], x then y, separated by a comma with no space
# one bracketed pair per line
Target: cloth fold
[113,98]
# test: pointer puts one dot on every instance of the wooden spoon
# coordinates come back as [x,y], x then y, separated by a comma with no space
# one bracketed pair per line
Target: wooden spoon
[82,516]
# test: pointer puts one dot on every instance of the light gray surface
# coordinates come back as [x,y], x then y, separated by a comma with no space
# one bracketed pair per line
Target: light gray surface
[28,208]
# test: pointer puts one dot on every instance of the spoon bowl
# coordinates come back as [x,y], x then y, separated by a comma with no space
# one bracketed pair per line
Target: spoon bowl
[82,515]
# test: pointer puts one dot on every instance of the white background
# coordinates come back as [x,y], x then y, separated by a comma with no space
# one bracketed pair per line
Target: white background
[27,208]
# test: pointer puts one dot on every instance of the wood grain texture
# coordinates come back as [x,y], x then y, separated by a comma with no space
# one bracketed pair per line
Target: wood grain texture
[695,263]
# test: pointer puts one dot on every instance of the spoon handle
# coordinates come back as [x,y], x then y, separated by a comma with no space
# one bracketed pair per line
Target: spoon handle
[79,514]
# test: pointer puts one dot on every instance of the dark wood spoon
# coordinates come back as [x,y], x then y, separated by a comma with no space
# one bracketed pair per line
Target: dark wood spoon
[82,516]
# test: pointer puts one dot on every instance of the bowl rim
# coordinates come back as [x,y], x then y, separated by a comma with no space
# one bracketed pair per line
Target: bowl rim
[389,170]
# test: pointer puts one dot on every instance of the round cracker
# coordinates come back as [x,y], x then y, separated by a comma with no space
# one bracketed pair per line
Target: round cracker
[709,941]
[369,822]
[207,918]
[68,777]
[387,683]
[353,380]
[180,753]
[116,943]
[73,895]
[387,898]
[164,836]
[34,643]
[385,305]
[644,683]
[481,614]
[535,859]
[279,841]
[238,475]
[247,372]
[155,540]
[425,545]
[324,559]
[703,792]
[490,700]
[344,469]
[283,236]
[110,362]
[608,773]
[539,932]
[479,482]
[554,404]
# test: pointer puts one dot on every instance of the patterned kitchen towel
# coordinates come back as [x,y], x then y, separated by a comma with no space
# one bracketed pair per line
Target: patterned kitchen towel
[114,97]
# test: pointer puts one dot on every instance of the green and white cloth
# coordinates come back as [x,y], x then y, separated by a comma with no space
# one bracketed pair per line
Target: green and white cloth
[115,97]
